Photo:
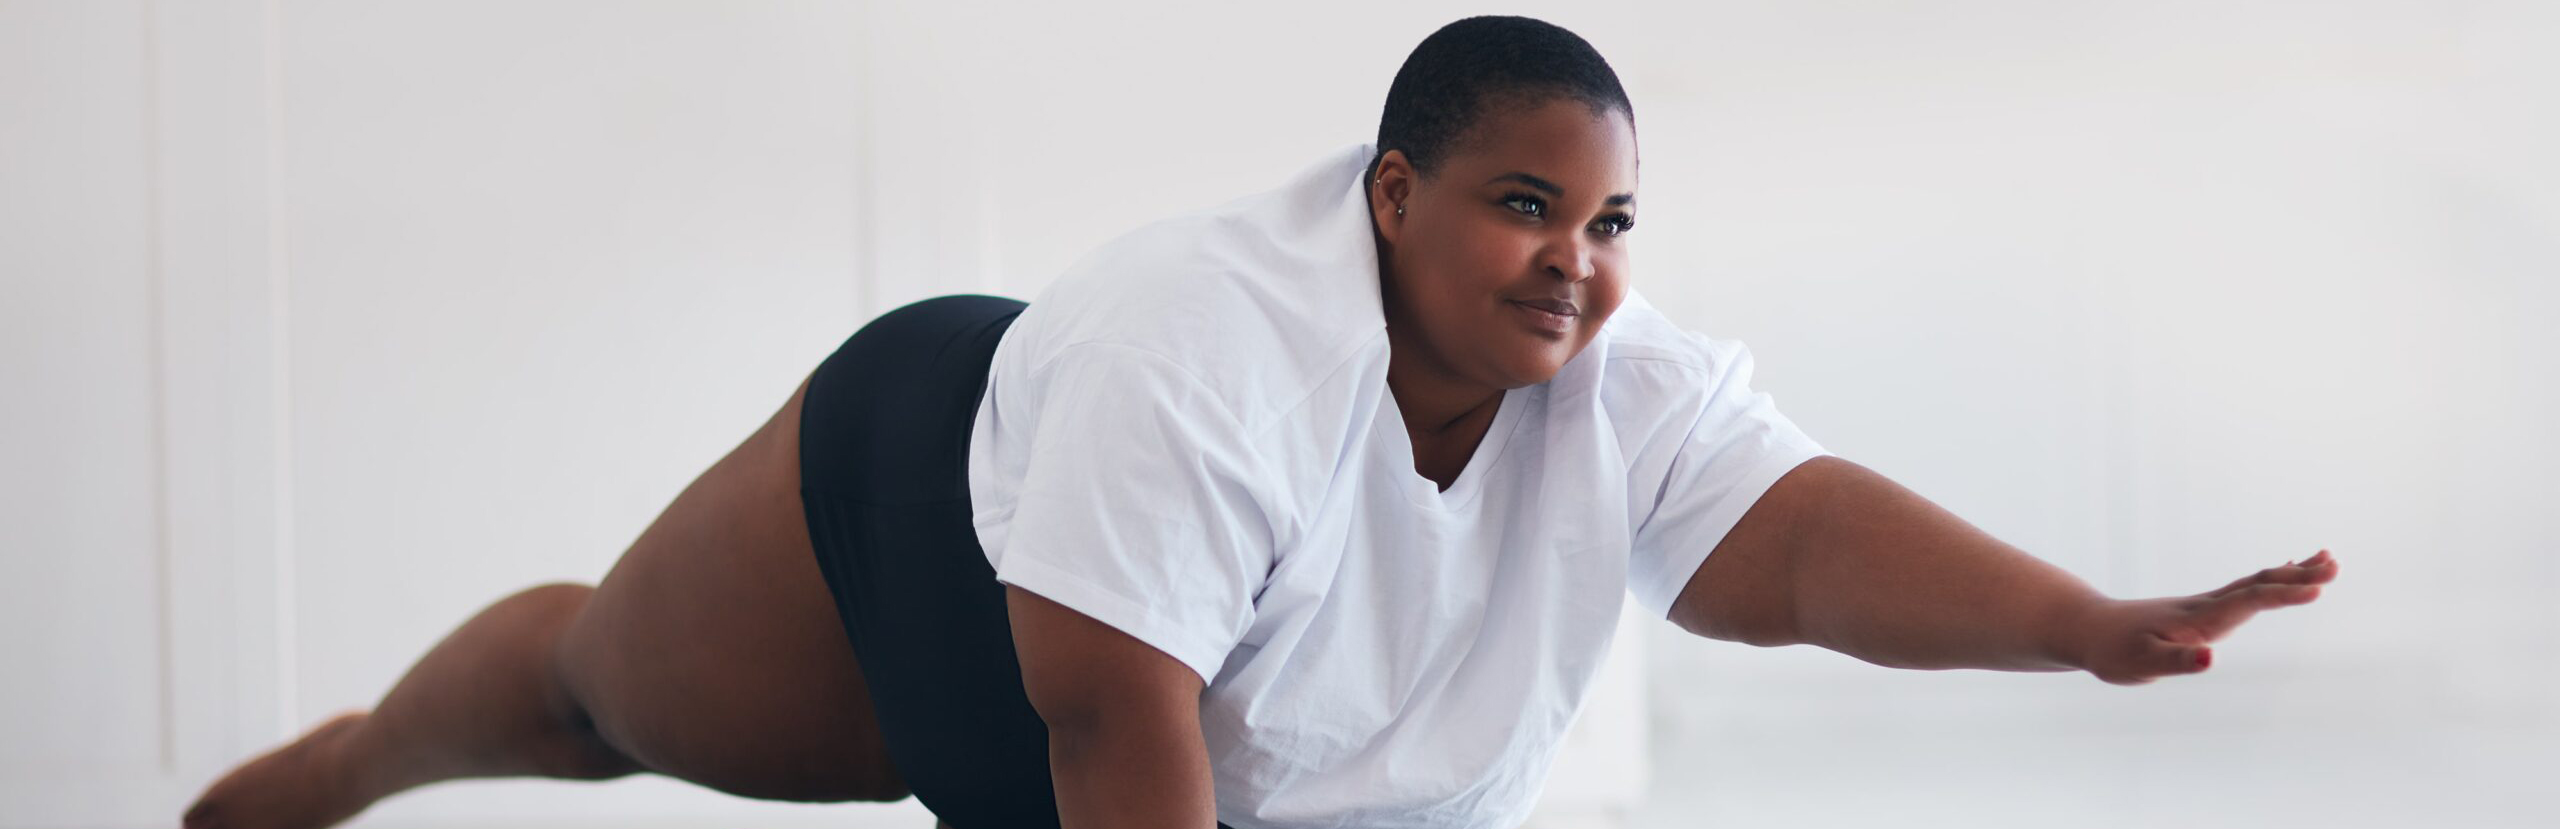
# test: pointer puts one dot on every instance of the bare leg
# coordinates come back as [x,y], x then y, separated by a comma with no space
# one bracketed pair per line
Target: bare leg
[485,702]
[710,653]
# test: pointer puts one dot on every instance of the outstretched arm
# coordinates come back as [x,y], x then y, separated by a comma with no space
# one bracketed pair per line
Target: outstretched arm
[1839,556]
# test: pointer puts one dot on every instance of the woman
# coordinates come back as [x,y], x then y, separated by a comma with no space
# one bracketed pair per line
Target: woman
[1315,508]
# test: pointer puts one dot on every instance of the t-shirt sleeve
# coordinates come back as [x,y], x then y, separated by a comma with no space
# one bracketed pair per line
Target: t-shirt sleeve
[1136,507]
[1735,445]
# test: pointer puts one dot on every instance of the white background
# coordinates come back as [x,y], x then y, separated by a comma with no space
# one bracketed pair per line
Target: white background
[323,324]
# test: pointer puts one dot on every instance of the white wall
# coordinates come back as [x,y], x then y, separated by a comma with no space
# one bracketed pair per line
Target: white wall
[327,323]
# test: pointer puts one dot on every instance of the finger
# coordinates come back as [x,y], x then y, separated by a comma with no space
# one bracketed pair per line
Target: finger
[2318,569]
[2304,573]
[2324,566]
[2228,610]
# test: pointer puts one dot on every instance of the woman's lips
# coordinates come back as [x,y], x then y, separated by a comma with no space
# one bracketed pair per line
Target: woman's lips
[1547,315]
[1559,306]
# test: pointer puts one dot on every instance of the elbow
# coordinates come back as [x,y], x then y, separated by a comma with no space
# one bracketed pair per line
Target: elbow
[1764,637]
[1769,629]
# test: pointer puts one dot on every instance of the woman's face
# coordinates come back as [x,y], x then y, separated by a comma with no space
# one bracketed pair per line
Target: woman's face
[1530,210]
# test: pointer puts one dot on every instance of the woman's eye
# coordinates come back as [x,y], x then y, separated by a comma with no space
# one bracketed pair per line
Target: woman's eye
[1617,225]
[1526,204]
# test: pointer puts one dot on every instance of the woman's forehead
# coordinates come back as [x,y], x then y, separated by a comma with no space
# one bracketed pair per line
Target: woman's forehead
[1560,141]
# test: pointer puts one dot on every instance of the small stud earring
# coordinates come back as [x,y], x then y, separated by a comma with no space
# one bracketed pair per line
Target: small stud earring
[1399,210]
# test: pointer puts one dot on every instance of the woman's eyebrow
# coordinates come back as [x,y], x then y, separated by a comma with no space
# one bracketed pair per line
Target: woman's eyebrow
[1551,188]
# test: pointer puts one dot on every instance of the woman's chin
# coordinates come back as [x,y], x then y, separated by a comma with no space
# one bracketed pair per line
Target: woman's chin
[1531,370]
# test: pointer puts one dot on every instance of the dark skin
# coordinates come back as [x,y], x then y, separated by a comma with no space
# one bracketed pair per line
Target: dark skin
[1534,204]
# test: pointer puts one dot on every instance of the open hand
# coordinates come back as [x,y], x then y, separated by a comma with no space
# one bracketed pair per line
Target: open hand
[2132,642]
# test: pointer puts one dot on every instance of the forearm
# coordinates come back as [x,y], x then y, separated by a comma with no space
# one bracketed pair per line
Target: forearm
[1879,573]
[1146,774]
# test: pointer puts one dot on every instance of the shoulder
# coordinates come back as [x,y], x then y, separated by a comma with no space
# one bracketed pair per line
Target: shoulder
[1659,378]
[1259,299]
[1649,352]
[1153,287]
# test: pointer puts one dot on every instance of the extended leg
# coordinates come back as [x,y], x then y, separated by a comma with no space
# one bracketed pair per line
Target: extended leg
[487,701]
[710,653]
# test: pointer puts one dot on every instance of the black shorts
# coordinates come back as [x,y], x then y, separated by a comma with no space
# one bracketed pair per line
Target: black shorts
[884,450]
[884,453]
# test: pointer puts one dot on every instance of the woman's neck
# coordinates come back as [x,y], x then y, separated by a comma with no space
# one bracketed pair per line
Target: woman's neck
[1432,397]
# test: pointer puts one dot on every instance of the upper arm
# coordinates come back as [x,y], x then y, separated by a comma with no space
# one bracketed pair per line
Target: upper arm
[1125,747]
[1080,672]
[1744,591]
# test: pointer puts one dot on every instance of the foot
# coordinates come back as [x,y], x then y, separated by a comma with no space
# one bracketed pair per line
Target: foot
[300,786]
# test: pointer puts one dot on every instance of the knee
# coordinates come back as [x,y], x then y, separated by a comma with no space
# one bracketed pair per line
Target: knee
[534,615]
[559,600]
[535,625]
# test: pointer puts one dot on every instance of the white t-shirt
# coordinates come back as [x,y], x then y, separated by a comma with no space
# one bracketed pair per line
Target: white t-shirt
[1188,436]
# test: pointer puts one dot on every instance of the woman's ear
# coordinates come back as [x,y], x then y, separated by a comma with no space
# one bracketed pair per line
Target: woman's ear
[1390,188]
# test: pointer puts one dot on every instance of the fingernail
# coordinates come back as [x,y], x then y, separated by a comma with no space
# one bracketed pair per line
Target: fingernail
[2204,658]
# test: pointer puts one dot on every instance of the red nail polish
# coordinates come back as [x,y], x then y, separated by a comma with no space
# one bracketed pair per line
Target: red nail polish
[2204,659]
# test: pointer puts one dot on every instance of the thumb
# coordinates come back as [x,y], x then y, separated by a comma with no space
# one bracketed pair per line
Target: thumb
[2168,658]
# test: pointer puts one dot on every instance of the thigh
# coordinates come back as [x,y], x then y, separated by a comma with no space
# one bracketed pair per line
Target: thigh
[711,652]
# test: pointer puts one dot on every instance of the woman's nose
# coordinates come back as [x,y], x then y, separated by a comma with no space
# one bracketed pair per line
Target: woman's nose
[1568,259]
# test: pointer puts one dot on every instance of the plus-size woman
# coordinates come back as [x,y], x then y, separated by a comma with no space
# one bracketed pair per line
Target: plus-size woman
[1315,508]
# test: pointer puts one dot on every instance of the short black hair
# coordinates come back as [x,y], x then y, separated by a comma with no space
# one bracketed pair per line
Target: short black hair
[1455,76]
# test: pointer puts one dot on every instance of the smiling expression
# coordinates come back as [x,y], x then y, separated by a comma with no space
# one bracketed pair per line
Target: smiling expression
[1509,258]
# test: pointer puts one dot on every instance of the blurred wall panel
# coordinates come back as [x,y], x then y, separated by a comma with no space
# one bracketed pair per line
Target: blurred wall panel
[85,706]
